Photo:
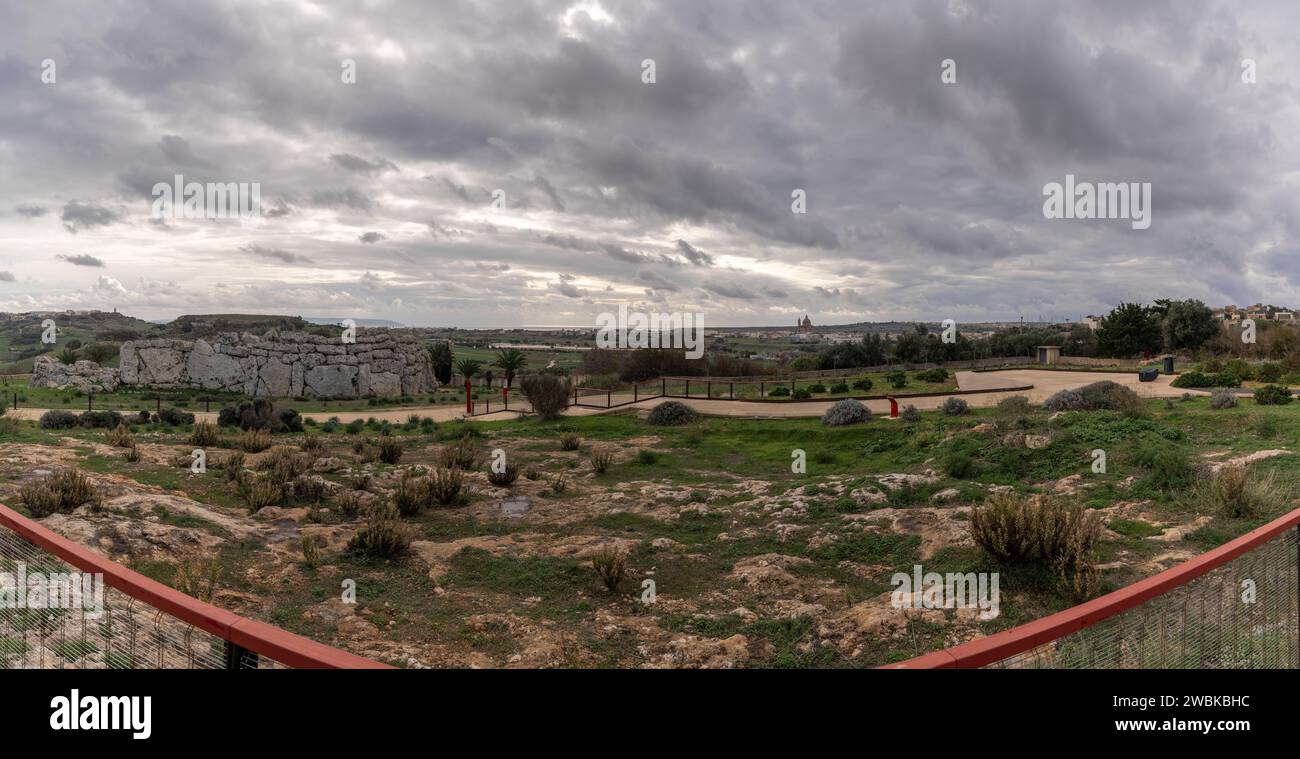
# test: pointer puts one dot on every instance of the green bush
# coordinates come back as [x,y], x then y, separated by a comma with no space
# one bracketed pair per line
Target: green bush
[837,388]
[897,380]
[1057,535]
[955,407]
[937,374]
[1273,395]
[910,414]
[801,394]
[546,393]
[1168,466]
[1270,372]
[174,418]
[58,420]
[100,419]
[862,384]
[1223,398]
[671,414]
[780,391]
[816,387]
[847,411]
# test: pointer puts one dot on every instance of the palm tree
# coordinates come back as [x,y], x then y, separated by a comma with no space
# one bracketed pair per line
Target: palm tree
[68,356]
[468,368]
[511,360]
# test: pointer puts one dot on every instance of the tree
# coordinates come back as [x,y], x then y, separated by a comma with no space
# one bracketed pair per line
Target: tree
[510,361]
[98,352]
[548,394]
[1188,325]
[468,368]
[1129,330]
[441,357]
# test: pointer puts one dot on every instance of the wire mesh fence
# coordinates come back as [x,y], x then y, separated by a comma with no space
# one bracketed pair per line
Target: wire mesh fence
[52,616]
[1241,615]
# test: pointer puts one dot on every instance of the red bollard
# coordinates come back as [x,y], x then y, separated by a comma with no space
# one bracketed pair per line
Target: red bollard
[469,402]
[893,408]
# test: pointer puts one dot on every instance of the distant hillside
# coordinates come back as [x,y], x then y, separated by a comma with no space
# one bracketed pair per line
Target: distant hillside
[191,326]
[20,334]
[360,322]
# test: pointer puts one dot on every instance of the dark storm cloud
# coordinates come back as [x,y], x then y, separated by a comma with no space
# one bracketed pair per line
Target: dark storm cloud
[923,199]
[693,254]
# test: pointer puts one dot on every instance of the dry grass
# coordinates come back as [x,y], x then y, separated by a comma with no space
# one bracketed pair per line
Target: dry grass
[59,493]
[253,441]
[384,535]
[610,564]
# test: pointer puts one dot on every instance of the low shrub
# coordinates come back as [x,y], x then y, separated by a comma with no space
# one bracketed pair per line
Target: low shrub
[1168,466]
[570,442]
[506,477]
[233,464]
[862,384]
[1016,405]
[100,419]
[1223,398]
[1197,379]
[847,411]
[310,489]
[1108,395]
[801,394]
[780,391]
[254,440]
[1061,536]
[260,414]
[937,374]
[446,486]
[384,535]
[57,420]
[816,387]
[610,564]
[120,437]
[1273,395]
[412,494]
[132,454]
[463,454]
[955,407]
[910,413]
[671,414]
[1065,400]
[205,435]
[1269,372]
[1238,492]
[839,387]
[897,380]
[601,458]
[59,493]
[261,491]
[175,418]
[390,450]
[547,393]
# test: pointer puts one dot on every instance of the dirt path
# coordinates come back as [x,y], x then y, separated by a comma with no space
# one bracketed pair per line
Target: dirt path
[1045,383]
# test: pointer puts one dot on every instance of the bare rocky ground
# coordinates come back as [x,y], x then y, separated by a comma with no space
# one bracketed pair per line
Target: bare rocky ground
[747,572]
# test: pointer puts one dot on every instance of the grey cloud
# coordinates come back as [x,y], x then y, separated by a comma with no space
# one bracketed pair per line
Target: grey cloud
[30,211]
[693,254]
[359,165]
[371,237]
[275,254]
[78,216]
[348,197]
[6,276]
[82,260]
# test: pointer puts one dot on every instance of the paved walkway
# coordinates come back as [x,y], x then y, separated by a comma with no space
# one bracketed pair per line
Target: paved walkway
[1045,383]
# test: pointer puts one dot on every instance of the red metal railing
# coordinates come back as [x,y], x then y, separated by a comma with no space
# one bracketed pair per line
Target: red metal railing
[242,636]
[1010,643]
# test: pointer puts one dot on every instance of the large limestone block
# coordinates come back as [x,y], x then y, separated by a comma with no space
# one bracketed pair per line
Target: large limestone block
[331,380]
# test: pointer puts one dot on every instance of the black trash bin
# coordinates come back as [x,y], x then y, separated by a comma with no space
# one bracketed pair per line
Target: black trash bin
[1147,375]
[1169,364]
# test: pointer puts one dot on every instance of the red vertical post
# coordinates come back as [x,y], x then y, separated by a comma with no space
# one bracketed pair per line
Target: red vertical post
[893,408]
[469,402]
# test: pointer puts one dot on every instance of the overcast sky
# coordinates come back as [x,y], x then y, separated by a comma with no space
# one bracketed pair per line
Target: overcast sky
[924,199]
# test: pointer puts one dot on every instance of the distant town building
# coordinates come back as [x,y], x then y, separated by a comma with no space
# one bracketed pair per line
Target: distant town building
[804,325]
[1090,321]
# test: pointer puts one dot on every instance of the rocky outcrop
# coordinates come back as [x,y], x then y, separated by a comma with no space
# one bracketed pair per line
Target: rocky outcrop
[86,376]
[383,363]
